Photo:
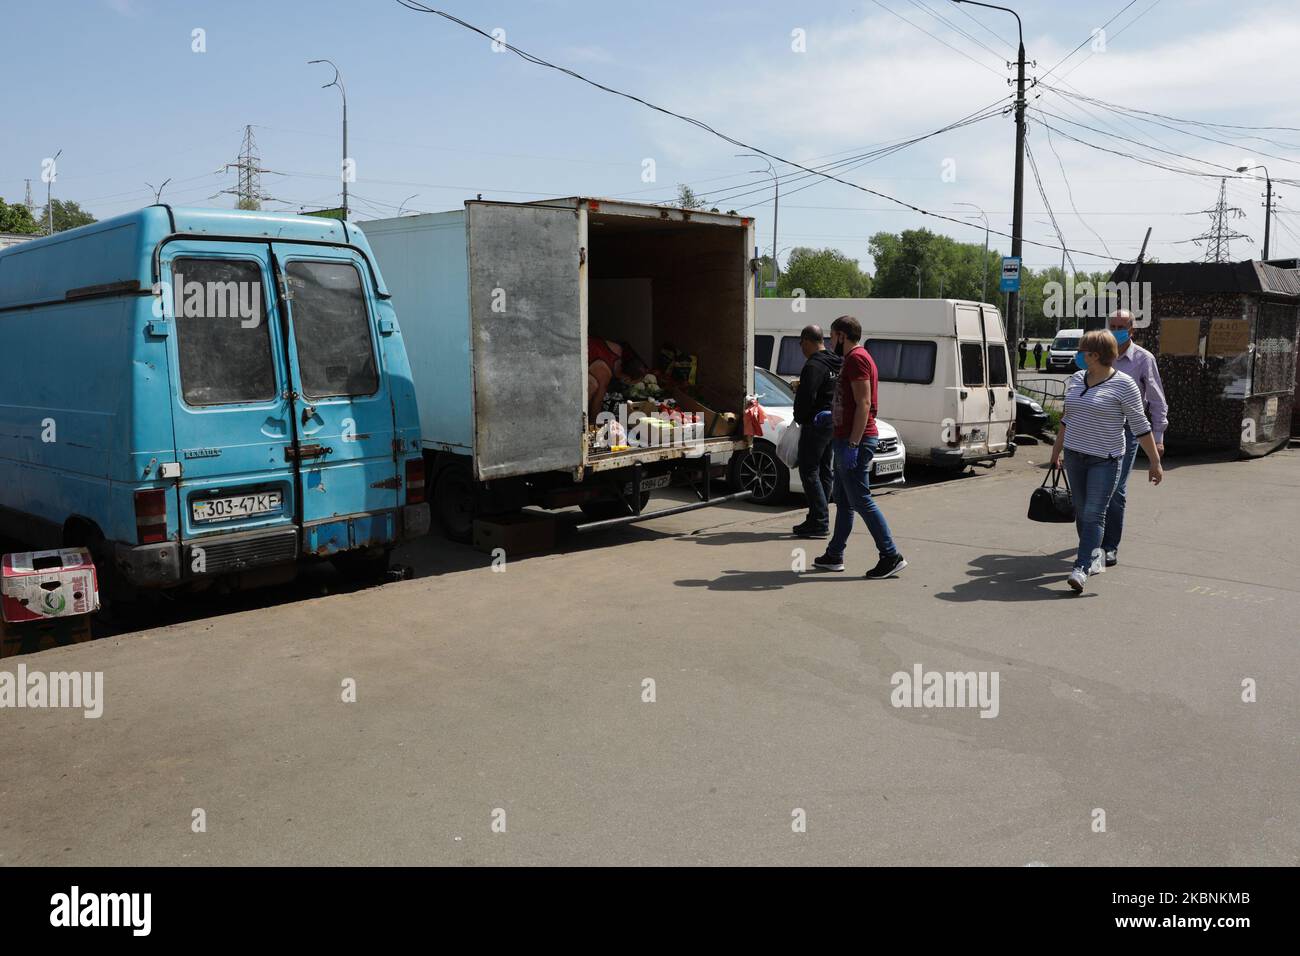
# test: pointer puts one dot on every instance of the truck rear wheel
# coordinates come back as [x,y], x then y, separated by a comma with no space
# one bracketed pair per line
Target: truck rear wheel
[456,502]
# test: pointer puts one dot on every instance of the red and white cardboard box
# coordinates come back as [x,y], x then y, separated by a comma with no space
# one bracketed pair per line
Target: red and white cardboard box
[37,585]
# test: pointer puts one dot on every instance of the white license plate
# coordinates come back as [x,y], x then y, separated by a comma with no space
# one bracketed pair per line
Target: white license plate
[237,506]
[888,467]
[649,484]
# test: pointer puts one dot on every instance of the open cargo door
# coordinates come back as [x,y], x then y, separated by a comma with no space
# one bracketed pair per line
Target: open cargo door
[528,338]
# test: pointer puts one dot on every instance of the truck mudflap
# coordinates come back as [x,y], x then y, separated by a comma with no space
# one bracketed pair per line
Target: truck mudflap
[700,483]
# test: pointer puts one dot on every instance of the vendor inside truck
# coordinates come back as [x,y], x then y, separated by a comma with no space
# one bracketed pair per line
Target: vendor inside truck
[606,361]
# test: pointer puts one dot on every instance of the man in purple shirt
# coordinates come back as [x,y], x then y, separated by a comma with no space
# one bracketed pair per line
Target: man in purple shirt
[1140,365]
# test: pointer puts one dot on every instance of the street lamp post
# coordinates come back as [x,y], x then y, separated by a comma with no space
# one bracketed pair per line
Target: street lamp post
[1268,203]
[49,180]
[338,81]
[776,206]
[405,201]
[918,280]
[984,286]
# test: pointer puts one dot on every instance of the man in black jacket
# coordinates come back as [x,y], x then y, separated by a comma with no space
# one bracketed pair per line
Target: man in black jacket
[816,394]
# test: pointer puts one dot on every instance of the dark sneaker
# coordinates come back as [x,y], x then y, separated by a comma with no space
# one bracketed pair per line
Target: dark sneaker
[1112,557]
[806,530]
[888,567]
[827,563]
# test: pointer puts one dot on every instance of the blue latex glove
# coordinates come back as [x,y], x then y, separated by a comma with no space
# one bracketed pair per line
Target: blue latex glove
[850,456]
[821,419]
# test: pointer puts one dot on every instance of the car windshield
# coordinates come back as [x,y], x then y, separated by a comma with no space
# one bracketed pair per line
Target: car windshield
[1066,342]
[772,390]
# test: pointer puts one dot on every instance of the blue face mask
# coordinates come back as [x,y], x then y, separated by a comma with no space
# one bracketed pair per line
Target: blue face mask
[1121,336]
[1079,361]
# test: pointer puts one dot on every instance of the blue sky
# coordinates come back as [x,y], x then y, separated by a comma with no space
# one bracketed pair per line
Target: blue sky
[436,114]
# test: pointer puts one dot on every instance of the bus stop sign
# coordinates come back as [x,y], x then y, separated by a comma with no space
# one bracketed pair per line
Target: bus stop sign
[1010,274]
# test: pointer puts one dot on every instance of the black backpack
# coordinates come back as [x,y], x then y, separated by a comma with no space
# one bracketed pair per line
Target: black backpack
[1052,504]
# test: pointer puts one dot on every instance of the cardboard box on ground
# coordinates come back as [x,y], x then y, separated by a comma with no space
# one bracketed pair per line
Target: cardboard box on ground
[46,599]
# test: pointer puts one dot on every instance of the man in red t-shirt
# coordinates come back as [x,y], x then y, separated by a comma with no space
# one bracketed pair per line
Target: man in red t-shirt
[853,418]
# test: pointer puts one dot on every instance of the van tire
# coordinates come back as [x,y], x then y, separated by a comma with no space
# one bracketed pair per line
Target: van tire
[760,469]
[456,502]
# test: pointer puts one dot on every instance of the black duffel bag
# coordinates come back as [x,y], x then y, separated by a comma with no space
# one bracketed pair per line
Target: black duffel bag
[1052,504]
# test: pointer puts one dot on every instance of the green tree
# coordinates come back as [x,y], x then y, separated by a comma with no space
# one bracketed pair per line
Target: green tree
[67,215]
[823,274]
[955,270]
[17,218]
[687,199]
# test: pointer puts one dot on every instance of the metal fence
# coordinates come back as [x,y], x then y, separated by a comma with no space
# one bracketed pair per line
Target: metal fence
[1048,391]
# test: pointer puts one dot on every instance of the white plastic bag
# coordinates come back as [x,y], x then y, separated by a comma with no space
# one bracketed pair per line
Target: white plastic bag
[787,446]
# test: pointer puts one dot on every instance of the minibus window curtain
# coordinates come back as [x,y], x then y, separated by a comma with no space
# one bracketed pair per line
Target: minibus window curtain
[900,360]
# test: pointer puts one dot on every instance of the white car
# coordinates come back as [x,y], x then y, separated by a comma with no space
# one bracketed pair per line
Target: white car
[761,469]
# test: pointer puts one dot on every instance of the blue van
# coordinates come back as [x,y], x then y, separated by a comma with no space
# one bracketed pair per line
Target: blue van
[204,395]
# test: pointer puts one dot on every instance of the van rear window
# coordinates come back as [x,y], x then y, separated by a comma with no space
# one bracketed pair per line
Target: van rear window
[224,340]
[972,364]
[331,327]
[900,360]
[998,365]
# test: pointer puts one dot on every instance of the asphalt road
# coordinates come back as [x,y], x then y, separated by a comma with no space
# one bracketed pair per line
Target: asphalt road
[522,691]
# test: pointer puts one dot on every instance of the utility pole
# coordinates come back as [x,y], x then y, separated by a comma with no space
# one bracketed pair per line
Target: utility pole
[344,170]
[1268,203]
[50,176]
[27,197]
[1018,202]
[918,281]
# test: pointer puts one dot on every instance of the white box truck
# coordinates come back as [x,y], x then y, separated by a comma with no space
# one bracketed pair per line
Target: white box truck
[945,375]
[496,302]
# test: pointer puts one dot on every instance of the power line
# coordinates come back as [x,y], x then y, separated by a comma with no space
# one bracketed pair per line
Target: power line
[980,64]
[1090,38]
[1068,191]
[1115,37]
[418,7]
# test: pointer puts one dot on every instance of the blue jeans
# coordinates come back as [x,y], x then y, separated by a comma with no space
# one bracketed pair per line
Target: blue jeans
[815,472]
[853,496]
[1115,513]
[1092,482]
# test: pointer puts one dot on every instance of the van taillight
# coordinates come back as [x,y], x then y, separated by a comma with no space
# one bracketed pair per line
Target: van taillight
[414,481]
[151,515]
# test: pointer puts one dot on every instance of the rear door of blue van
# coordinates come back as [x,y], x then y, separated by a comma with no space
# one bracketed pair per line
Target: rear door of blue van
[349,484]
[233,417]
[284,424]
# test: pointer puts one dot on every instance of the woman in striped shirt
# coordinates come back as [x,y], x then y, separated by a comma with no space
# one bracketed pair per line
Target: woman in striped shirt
[1098,401]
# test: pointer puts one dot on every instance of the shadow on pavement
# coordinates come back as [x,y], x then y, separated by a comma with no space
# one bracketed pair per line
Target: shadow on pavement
[1015,577]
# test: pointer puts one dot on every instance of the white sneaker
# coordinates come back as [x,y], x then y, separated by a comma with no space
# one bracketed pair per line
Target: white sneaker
[1076,580]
